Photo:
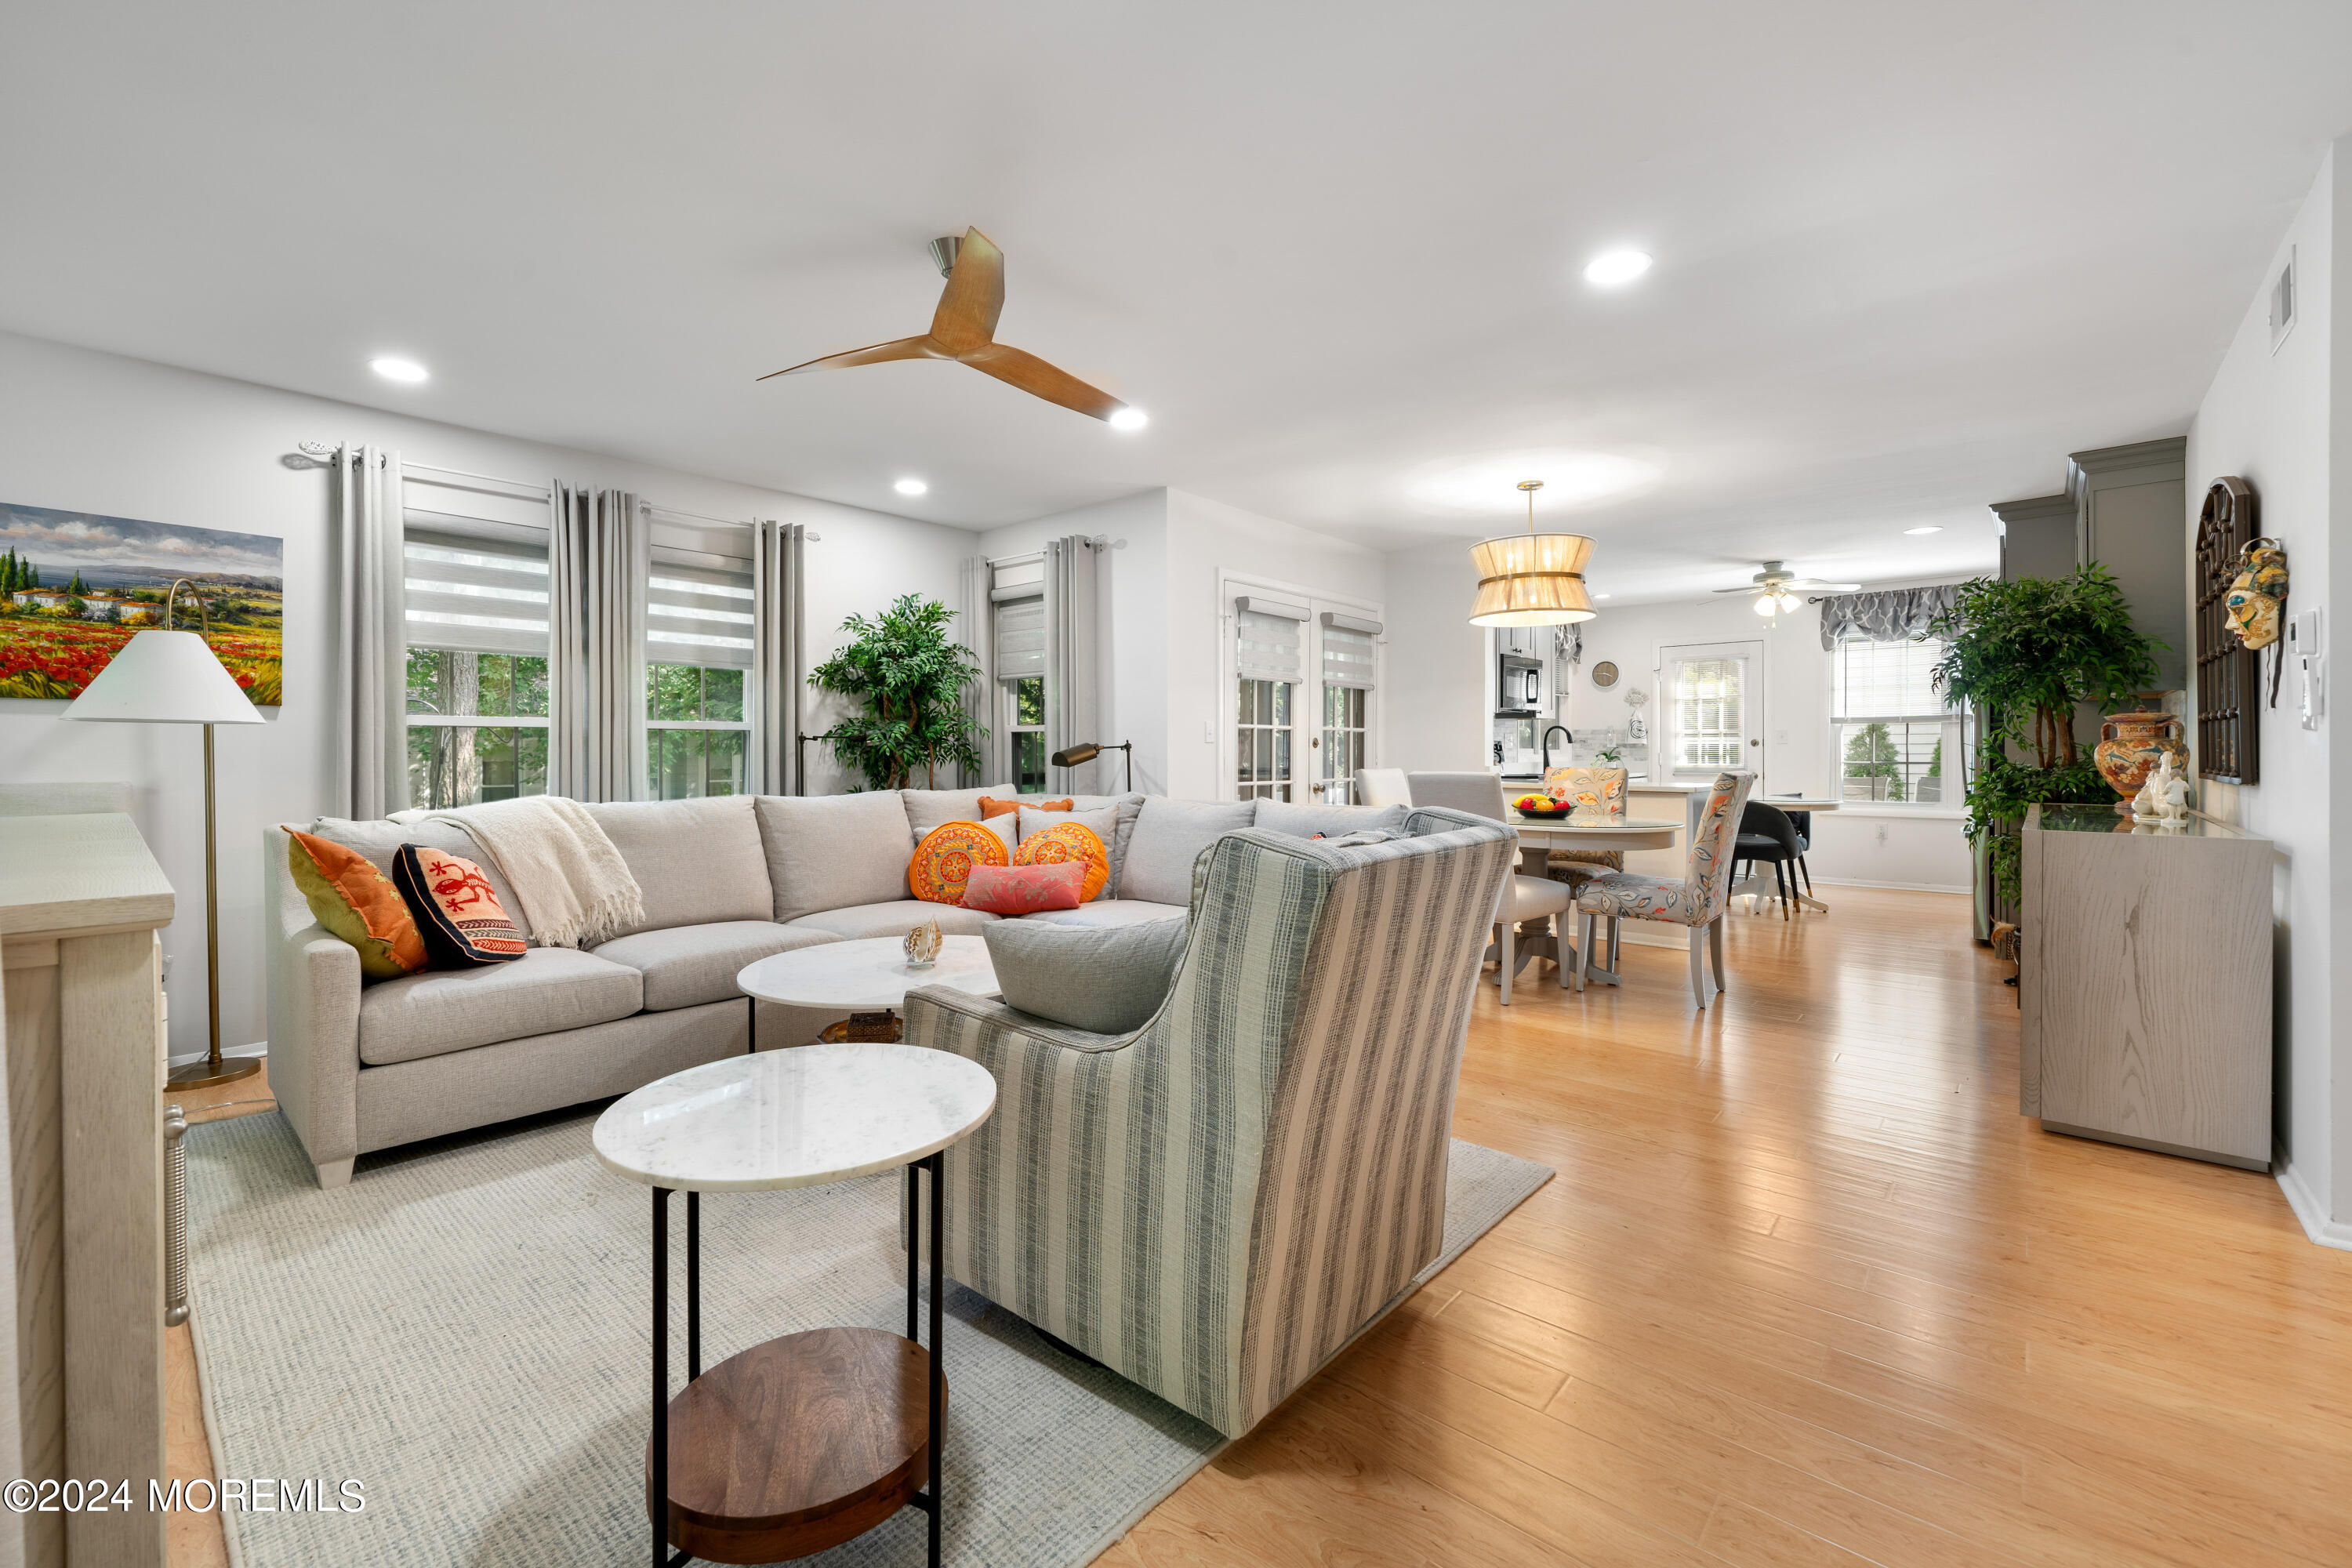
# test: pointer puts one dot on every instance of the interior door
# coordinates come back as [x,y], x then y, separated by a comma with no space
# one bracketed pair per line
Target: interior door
[1712,700]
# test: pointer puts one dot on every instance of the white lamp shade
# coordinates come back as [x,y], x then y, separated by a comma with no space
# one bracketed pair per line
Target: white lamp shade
[164,677]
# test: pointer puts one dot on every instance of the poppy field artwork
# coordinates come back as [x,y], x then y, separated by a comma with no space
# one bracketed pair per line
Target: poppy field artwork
[76,586]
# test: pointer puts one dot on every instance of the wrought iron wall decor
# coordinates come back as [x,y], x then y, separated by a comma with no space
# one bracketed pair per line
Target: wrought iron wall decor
[2229,674]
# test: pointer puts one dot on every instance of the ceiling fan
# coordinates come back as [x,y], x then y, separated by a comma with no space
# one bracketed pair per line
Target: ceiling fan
[963,329]
[1776,588]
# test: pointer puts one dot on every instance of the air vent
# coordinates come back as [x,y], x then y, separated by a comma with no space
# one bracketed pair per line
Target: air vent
[2283,302]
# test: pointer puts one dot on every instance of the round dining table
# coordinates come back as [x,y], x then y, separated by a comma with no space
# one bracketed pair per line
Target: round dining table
[1583,830]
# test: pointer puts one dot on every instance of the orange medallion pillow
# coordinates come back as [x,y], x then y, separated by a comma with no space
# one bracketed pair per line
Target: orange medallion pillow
[943,861]
[1068,842]
[1016,890]
[991,806]
[463,921]
[356,902]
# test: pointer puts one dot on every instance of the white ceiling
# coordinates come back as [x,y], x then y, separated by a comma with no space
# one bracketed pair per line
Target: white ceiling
[1909,256]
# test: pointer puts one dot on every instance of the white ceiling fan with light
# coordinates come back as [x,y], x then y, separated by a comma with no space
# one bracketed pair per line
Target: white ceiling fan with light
[1776,588]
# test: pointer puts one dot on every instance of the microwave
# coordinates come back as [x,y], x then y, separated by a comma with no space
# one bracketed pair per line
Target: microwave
[1519,689]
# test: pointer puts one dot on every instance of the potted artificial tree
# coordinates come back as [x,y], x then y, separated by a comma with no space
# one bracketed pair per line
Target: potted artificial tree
[2025,655]
[909,679]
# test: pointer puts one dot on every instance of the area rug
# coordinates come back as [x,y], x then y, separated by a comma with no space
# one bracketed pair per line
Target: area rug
[464,1331]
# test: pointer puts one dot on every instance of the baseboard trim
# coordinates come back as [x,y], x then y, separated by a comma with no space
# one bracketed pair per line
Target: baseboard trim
[2317,1225]
[258,1048]
[1896,887]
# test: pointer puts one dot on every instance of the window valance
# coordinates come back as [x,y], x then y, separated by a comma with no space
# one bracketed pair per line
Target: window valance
[1887,615]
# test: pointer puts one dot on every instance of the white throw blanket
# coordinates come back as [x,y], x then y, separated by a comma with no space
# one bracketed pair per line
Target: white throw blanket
[574,886]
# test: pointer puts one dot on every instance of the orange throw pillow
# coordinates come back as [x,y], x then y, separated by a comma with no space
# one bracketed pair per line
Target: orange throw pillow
[1068,842]
[991,806]
[356,902]
[943,861]
[462,919]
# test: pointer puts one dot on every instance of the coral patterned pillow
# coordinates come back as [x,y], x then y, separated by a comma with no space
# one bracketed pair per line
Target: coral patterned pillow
[1024,890]
[944,861]
[1070,842]
[357,902]
[990,805]
[461,918]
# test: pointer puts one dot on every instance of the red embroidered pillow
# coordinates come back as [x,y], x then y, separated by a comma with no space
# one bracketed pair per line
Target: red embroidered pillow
[1072,843]
[454,909]
[1024,890]
[948,856]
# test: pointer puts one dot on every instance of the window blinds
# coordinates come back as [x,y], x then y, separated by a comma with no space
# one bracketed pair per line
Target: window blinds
[1886,679]
[697,614]
[480,589]
[1348,650]
[1020,636]
[1266,646]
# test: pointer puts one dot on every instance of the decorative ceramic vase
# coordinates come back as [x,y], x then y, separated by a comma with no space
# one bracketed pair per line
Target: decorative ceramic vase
[922,945]
[2130,745]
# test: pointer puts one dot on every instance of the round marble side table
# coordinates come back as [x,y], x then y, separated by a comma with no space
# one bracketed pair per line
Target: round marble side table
[805,1441]
[868,979]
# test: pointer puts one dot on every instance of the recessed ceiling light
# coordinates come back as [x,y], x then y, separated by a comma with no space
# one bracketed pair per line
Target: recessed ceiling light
[1611,267]
[395,369]
[911,487]
[1600,595]
[1130,419]
[1931,528]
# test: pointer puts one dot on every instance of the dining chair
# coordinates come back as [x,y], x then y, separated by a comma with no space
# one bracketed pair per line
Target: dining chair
[1382,786]
[1586,790]
[1767,834]
[1522,897]
[1697,901]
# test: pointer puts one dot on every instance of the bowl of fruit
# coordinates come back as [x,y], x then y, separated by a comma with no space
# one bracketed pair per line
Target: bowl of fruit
[1540,806]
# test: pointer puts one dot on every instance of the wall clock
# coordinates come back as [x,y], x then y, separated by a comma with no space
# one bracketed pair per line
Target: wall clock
[1604,674]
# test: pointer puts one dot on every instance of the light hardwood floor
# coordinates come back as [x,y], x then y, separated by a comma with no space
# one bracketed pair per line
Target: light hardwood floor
[1807,1289]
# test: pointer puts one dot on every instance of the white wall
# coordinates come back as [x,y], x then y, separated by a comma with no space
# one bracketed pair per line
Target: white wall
[1896,846]
[2270,418]
[96,433]
[1439,701]
[1133,588]
[1206,537]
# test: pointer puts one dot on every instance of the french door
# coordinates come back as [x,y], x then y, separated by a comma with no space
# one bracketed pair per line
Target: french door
[1302,680]
[1711,708]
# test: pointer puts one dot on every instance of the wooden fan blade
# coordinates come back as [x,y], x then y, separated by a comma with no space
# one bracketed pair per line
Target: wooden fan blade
[1035,377]
[974,297]
[877,353]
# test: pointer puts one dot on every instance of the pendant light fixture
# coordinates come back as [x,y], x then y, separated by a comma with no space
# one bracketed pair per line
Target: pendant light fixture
[1531,579]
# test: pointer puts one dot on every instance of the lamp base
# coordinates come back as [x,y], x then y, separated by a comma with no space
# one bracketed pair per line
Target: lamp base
[204,1074]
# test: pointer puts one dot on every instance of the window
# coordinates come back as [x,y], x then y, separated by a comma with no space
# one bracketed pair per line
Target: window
[1262,738]
[1342,745]
[476,625]
[1017,597]
[1266,637]
[696,733]
[697,658]
[1897,741]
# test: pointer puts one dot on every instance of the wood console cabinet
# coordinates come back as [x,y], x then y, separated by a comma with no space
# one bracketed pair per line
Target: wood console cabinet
[80,902]
[2146,975]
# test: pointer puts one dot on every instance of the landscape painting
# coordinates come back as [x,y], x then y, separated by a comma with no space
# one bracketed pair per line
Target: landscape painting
[75,586]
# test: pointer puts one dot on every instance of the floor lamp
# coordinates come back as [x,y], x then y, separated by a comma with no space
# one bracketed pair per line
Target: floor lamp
[163,676]
[1085,752]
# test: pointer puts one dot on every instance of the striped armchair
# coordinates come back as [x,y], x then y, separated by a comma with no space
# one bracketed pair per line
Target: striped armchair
[1212,1206]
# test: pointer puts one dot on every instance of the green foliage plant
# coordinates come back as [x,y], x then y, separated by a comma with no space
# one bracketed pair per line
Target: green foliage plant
[2024,653]
[908,678]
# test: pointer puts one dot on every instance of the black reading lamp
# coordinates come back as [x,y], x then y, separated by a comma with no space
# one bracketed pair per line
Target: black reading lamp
[1087,751]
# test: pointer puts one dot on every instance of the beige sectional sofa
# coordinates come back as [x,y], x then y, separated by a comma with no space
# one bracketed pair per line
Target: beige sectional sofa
[726,881]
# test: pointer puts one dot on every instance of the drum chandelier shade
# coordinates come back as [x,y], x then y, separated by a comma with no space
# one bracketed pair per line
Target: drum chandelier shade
[1531,579]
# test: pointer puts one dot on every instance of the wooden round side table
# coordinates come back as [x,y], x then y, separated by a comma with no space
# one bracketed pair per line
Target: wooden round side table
[804,1441]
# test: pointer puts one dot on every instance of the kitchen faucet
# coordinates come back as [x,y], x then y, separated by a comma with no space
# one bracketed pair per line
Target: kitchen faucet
[1546,743]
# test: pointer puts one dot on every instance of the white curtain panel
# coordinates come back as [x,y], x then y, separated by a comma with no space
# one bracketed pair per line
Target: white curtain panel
[599,555]
[372,680]
[1073,659]
[973,629]
[779,611]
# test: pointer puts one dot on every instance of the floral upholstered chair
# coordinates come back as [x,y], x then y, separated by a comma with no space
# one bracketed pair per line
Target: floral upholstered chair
[1697,901]
[1586,789]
